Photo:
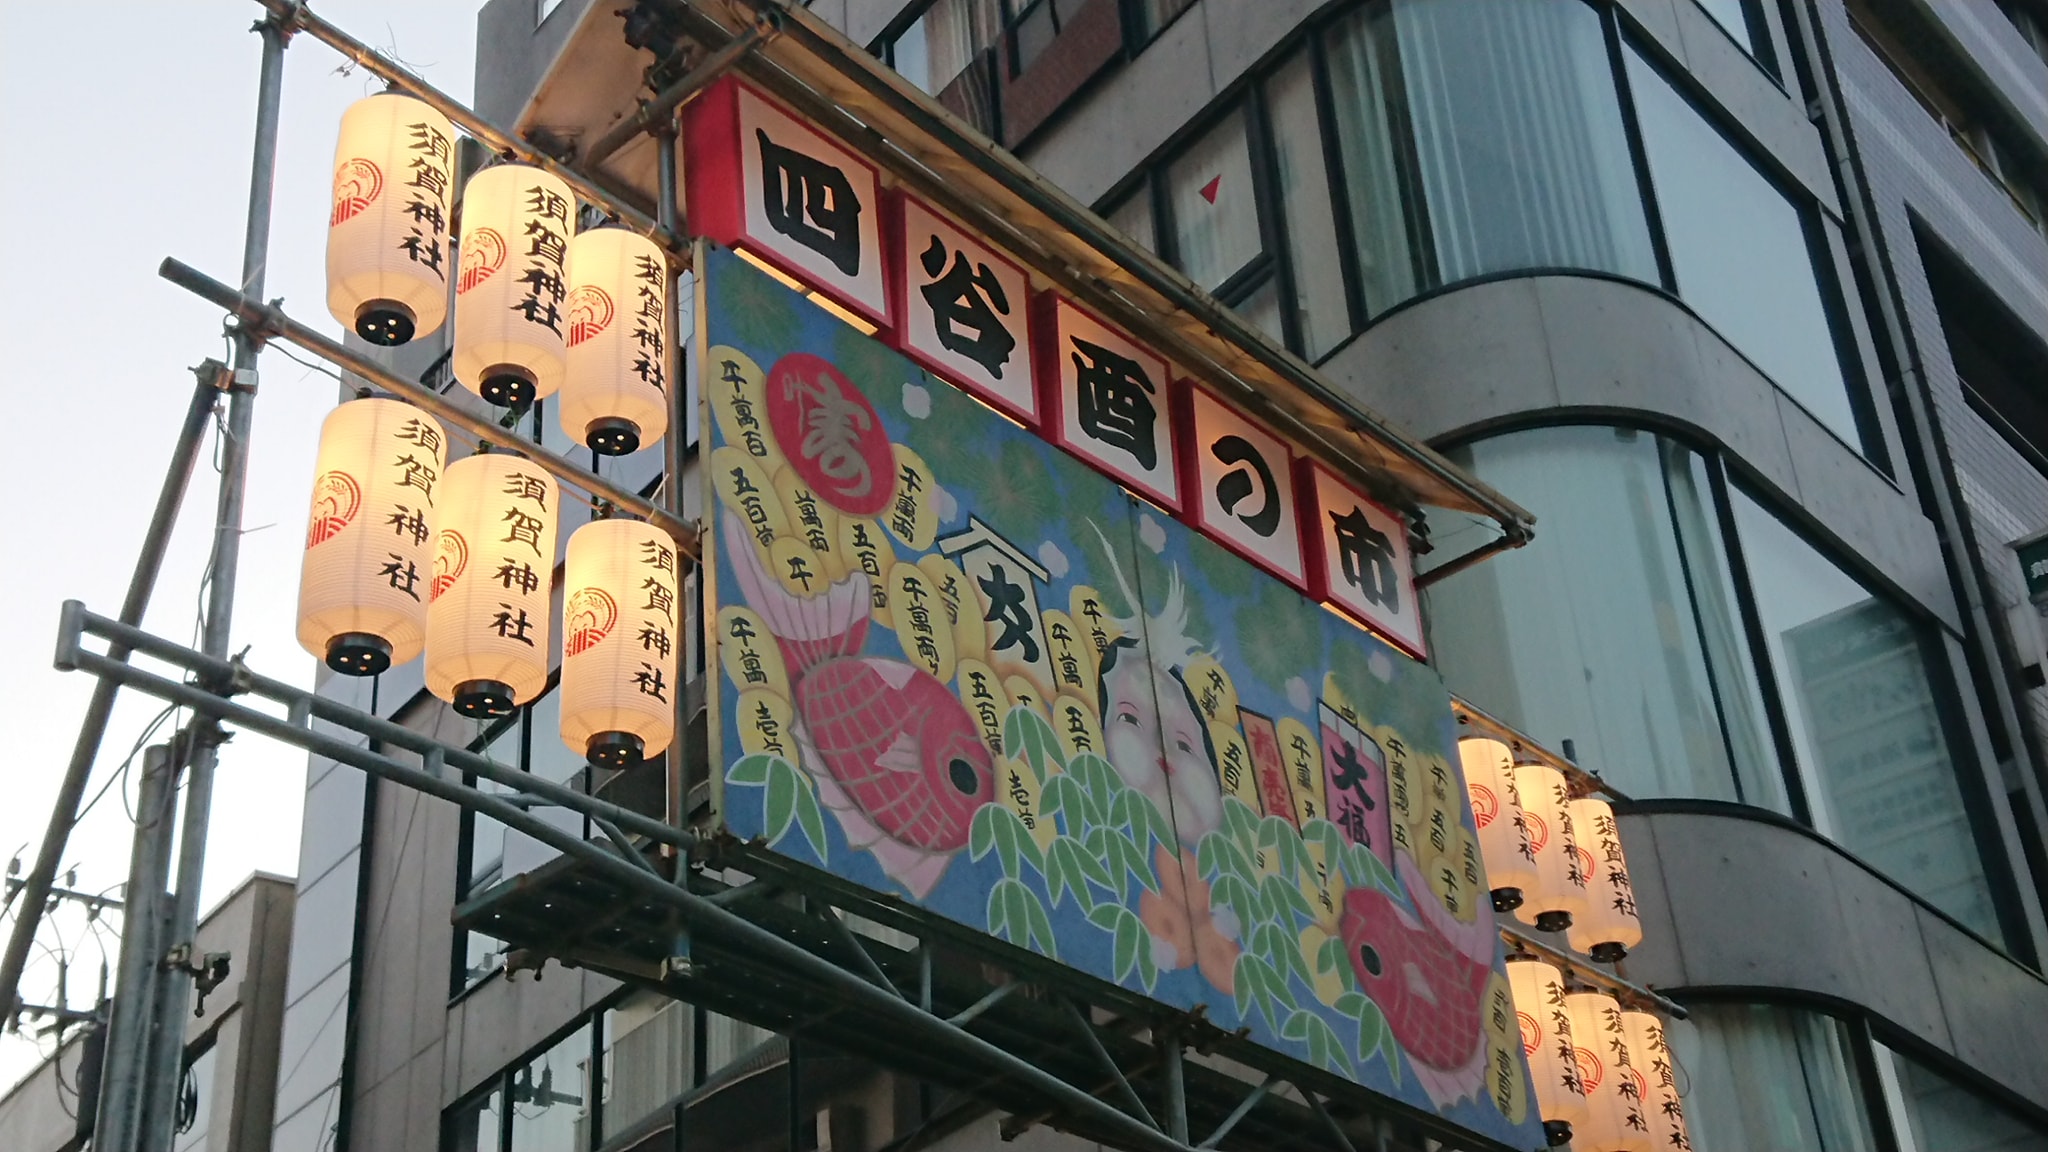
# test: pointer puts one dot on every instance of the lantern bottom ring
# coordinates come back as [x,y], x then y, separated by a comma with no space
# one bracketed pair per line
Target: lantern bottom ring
[1557,1132]
[1506,899]
[1553,921]
[359,654]
[483,699]
[1609,952]
[385,323]
[508,385]
[612,436]
[615,749]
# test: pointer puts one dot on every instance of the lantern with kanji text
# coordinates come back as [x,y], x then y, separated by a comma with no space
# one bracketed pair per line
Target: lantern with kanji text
[615,396]
[387,231]
[1615,1085]
[1497,811]
[494,558]
[1609,926]
[621,631]
[511,286]
[1559,893]
[1546,1030]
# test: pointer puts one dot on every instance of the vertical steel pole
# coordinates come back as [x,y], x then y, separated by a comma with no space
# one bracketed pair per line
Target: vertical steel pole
[35,891]
[1176,1085]
[672,466]
[149,864]
[174,989]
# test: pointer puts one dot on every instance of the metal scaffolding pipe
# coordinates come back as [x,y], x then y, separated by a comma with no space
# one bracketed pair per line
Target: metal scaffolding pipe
[657,114]
[35,890]
[1522,941]
[117,1124]
[265,320]
[695,910]
[296,17]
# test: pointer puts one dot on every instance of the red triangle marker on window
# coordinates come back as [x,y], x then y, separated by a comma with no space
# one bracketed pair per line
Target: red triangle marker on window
[1209,189]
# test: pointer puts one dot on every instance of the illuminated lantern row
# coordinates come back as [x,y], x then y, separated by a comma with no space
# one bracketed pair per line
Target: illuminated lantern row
[1559,894]
[387,232]
[1497,811]
[363,586]
[511,286]
[615,397]
[620,633]
[1609,926]
[1546,1024]
[1615,1084]
[488,612]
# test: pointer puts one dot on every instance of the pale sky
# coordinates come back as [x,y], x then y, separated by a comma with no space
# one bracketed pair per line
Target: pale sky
[129,130]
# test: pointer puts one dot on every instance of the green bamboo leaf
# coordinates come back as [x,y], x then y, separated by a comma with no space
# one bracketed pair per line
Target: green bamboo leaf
[1234,893]
[780,807]
[1107,916]
[1063,793]
[1090,867]
[750,769]
[1101,782]
[1242,983]
[811,819]
[1296,1027]
[1134,860]
[1330,956]
[1390,1051]
[1029,737]
[981,831]
[1130,939]
[1325,1049]
[1148,968]
[999,911]
[1041,924]
[1282,895]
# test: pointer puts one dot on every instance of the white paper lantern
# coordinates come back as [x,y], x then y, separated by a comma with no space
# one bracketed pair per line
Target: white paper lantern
[387,233]
[363,585]
[511,285]
[1609,926]
[621,628]
[615,397]
[1615,1086]
[1560,890]
[494,558]
[1546,1025]
[1497,810]
[1662,1108]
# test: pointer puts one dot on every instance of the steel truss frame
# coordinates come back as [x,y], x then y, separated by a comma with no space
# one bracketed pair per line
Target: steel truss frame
[662,908]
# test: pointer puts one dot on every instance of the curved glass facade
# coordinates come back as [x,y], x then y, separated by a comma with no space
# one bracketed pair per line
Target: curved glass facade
[1763,1078]
[1628,633]
[1496,125]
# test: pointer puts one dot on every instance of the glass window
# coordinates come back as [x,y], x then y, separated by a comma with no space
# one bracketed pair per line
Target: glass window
[1616,629]
[939,45]
[646,1057]
[1856,682]
[1730,15]
[1154,15]
[195,1103]
[1768,1079]
[1944,1116]
[1320,311]
[482,955]
[1504,114]
[550,1098]
[476,1127]
[1215,209]
[1740,251]
[1133,217]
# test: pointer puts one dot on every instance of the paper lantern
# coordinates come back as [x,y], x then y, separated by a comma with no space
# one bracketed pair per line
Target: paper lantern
[615,397]
[621,626]
[1615,1086]
[1661,1106]
[370,537]
[1560,890]
[511,286]
[494,559]
[1497,810]
[387,234]
[1609,926]
[1538,990]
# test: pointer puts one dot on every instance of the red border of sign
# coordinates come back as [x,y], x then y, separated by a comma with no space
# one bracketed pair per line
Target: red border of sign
[894,258]
[1185,452]
[1315,560]
[714,188]
[1046,326]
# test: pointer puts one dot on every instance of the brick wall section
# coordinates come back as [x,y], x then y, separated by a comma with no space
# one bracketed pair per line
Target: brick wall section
[1915,171]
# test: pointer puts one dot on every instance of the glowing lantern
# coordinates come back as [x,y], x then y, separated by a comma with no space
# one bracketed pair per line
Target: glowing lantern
[1609,926]
[1497,809]
[510,285]
[615,397]
[487,616]
[387,235]
[1560,890]
[1540,1009]
[1615,1086]
[370,539]
[621,624]
[1661,1106]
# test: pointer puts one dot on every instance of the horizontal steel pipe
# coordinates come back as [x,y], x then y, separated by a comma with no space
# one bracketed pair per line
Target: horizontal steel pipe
[662,107]
[270,321]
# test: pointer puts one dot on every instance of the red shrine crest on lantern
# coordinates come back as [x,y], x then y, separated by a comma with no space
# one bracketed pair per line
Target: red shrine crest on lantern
[590,312]
[483,254]
[336,497]
[356,185]
[1532,1032]
[451,556]
[588,617]
[833,438]
[1485,805]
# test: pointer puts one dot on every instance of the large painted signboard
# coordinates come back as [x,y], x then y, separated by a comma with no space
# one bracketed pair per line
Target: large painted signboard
[964,670]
